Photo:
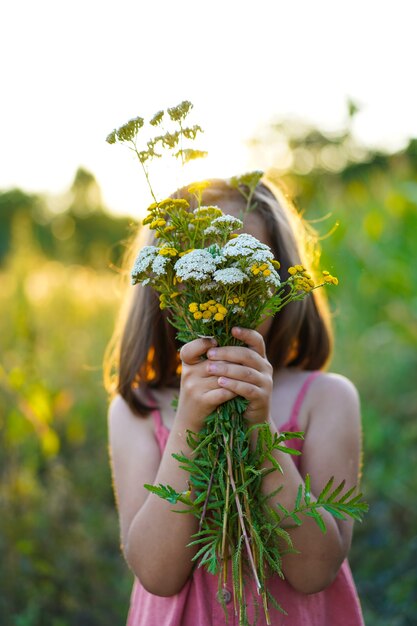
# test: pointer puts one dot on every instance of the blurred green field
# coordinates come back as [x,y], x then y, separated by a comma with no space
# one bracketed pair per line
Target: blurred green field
[60,562]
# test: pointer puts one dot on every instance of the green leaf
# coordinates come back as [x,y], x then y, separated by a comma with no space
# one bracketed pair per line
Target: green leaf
[299,496]
[318,519]
[326,489]
[275,604]
[200,498]
[287,450]
[283,510]
[347,495]
[333,510]
[275,463]
[286,435]
[307,489]
[164,492]
[336,492]
[284,535]
[296,519]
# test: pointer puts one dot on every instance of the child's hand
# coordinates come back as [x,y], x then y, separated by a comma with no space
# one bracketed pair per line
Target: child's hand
[244,371]
[200,393]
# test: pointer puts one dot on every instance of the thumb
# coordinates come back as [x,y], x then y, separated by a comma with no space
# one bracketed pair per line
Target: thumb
[192,352]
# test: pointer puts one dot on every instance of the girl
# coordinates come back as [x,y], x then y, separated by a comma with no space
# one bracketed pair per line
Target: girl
[279,371]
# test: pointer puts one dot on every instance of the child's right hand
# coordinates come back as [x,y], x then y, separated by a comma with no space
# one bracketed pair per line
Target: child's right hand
[200,393]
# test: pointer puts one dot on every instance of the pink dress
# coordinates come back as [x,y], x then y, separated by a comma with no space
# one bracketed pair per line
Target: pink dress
[197,603]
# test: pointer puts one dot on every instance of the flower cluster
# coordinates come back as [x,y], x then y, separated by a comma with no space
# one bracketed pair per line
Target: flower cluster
[303,281]
[143,263]
[209,276]
[245,244]
[230,276]
[301,278]
[208,310]
[223,225]
[329,279]
[197,265]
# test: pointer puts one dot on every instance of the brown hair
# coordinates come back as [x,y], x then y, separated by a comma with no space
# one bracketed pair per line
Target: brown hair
[143,351]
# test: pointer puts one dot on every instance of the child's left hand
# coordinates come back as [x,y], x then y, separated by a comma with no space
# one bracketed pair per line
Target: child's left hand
[246,371]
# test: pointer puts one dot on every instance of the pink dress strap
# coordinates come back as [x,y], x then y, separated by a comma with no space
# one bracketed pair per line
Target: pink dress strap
[293,421]
[161,431]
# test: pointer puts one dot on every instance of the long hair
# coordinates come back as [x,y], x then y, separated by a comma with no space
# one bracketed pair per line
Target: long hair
[143,352]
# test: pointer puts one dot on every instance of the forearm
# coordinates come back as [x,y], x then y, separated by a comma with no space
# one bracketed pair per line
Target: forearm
[320,555]
[158,537]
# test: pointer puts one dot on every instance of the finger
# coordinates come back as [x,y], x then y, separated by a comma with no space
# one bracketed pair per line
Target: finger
[240,388]
[251,338]
[237,372]
[219,395]
[192,352]
[238,355]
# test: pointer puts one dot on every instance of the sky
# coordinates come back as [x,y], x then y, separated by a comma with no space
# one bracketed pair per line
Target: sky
[73,71]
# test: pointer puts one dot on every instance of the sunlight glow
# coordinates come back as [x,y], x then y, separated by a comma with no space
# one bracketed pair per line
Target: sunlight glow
[76,71]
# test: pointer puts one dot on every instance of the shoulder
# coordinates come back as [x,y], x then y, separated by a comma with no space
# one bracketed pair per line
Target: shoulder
[334,402]
[333,437]
[125,426]
[120,415]
[335,386]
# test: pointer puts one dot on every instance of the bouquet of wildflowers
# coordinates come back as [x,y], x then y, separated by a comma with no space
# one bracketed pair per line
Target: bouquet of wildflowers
[212,279]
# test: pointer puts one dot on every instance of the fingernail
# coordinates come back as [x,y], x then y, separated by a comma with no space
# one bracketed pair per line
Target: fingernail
[211,353]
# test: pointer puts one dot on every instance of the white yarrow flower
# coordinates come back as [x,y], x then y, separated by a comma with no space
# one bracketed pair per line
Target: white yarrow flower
[223,224]
[197,265]
[230,276]
[273,278]
[243,245]
[261,256]
[209,286]
[143,261]
[159,265]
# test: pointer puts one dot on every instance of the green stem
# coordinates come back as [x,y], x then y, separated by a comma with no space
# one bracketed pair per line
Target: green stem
[145,171]
[240,513]
[203,514]
[225,520]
